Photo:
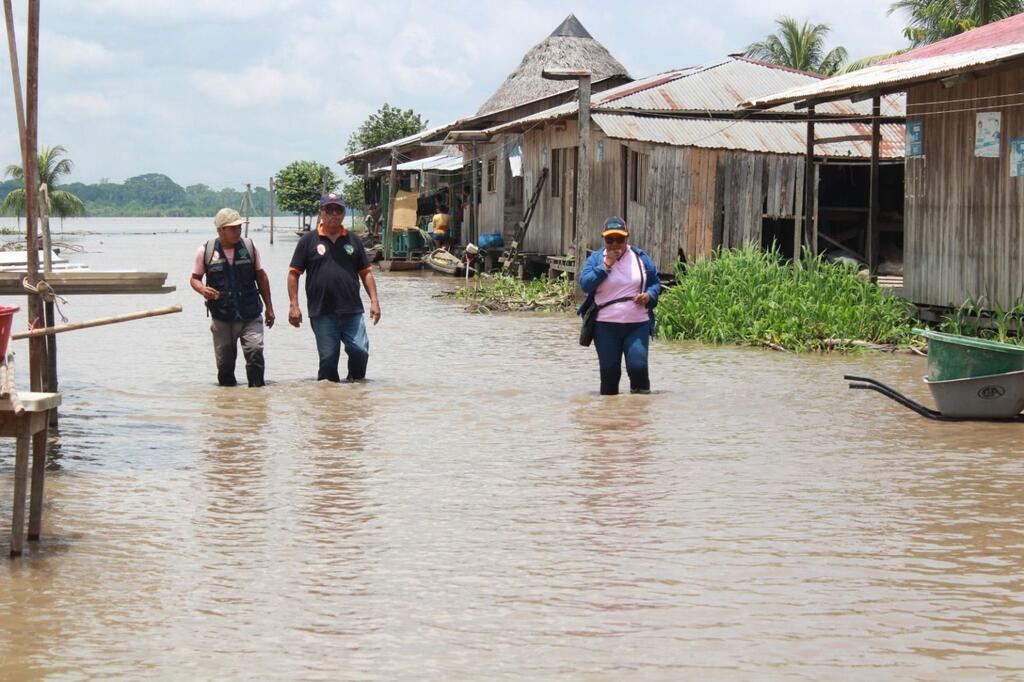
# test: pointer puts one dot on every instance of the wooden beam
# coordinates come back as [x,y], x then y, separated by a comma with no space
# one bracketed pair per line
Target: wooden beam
[582,236]
[872,244]
[809,184]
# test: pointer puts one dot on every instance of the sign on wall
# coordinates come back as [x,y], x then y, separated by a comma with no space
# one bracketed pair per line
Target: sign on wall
[986,134]
[915,138]
[1017,157]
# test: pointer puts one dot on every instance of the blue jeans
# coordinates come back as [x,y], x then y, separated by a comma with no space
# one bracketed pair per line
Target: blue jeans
[615,339]
[331,331]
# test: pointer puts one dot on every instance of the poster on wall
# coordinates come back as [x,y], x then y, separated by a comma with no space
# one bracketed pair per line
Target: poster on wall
[1017,157]
[986,134]
[915,138]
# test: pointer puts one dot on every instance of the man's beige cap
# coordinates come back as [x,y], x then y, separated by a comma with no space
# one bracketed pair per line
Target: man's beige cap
[227,217]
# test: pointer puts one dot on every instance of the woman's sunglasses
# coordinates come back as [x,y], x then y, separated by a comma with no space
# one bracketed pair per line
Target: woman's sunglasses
[614,240]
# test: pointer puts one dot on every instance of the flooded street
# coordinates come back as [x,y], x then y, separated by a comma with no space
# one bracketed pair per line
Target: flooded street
[477,511]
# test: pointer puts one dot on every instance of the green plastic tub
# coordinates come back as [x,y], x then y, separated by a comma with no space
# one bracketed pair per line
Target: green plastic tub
[951,356]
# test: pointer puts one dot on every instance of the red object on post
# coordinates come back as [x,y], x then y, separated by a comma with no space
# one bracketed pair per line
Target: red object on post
[6,319]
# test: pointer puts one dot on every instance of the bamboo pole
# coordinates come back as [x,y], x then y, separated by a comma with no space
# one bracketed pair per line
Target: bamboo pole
[37,346]
[126,317]
[582,236]
[271,209]
[12,50]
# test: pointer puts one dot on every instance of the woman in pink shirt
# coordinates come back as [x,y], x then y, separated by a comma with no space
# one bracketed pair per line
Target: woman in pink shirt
[623,282]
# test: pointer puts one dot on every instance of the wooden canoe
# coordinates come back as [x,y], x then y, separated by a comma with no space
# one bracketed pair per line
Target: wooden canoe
[400,265]
[443,261]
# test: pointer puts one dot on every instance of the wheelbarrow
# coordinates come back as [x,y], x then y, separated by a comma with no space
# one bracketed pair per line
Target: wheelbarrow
[996,397]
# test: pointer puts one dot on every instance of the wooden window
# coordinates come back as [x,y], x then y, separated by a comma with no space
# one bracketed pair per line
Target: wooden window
[638,177]
[556,173]
[492,171]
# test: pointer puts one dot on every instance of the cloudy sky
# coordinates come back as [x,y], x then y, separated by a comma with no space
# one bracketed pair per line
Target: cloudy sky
[225,92]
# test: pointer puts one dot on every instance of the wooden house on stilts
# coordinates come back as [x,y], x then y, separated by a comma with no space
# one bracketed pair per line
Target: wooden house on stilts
[964,193]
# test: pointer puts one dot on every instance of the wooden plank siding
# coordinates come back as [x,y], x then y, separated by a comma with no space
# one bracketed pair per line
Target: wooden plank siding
[695,199]
[964,215]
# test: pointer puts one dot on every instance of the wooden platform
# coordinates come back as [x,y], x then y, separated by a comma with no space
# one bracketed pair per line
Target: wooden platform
[69,282]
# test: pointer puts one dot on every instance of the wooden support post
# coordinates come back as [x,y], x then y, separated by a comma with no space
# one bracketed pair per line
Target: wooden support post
[20,486]
[809,185]
[582,236]
[35,514]
[51,384]
[271,209]
[247,200]
[872,245]
[392,195]
[474,233]
[44,215]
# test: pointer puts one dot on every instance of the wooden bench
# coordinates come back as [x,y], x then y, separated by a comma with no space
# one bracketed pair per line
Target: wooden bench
[25,418]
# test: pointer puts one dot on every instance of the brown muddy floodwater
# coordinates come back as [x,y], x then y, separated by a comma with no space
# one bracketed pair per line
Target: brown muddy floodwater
[477,511]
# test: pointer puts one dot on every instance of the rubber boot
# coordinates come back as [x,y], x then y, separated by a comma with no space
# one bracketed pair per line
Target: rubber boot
[255,376]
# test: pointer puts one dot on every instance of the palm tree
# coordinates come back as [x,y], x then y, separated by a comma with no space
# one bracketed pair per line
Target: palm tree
[799,47]
[933,20]
[51,168]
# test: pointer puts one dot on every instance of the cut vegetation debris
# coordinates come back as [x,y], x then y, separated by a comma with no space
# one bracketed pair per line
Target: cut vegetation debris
[503,293]
[754,297]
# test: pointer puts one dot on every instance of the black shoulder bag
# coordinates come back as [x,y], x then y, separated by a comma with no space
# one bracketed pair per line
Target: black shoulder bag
[590,314]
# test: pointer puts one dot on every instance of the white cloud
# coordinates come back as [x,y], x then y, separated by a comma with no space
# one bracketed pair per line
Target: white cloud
[262,84]
[65,54]
[75,106]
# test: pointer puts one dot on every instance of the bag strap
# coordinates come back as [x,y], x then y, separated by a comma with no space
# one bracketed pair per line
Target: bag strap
[643,271]
[210,248]
[599,306]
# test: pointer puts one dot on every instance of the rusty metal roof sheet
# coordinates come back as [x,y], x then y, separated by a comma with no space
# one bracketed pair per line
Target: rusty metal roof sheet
[892,76]
[721,87]
[835,140]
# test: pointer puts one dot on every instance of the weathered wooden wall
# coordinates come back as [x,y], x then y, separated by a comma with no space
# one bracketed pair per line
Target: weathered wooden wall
[695,199]
[964,215]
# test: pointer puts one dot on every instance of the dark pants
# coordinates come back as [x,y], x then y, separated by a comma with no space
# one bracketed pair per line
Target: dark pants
[613,340]
[226,338]
[331,331]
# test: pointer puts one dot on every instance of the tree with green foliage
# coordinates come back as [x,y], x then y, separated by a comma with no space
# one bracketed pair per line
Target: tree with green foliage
[51,168]
[385,125]
[934,20]
[300,184]
[800,47]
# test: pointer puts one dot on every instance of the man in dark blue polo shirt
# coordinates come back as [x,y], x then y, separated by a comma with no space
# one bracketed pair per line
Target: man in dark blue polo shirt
[334,261]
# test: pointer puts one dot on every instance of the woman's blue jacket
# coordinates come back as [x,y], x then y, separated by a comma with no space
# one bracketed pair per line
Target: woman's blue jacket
[594,273]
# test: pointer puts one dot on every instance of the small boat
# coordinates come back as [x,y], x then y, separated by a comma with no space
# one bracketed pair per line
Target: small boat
[444,261]
[17,261]
[400,265]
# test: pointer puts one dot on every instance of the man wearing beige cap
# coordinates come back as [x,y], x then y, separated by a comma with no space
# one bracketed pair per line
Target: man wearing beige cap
[235,282]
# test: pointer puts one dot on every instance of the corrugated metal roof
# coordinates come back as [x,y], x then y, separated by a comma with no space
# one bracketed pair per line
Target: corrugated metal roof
[721,87]
[772,137]
[439,162]
[1005,32]
[724,86]
[892,77]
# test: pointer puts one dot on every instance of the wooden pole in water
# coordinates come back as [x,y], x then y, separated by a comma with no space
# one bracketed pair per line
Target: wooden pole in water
[127,317]
[392,195]
[50,372]
[271,209]
[37,347]
[248,202]
[474,230]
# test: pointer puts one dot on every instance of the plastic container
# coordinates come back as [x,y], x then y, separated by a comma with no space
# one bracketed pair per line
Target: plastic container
[989,397]
[6,319]
[491,240]
[952,356]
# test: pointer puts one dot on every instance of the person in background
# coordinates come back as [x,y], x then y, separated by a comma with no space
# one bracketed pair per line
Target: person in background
[440,225]
[623,282]
[235,283]
[334,261]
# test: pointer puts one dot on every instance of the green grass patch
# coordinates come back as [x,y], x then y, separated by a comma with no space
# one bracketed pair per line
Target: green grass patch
[754,297]
[502,293]
[974,317]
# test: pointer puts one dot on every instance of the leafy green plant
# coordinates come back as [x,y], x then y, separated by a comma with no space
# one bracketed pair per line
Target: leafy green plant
[752,296]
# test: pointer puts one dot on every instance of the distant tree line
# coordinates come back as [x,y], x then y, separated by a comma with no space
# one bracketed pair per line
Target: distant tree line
[154,195]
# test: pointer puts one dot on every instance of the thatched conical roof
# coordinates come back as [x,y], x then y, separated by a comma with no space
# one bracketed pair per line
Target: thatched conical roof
[569,46]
